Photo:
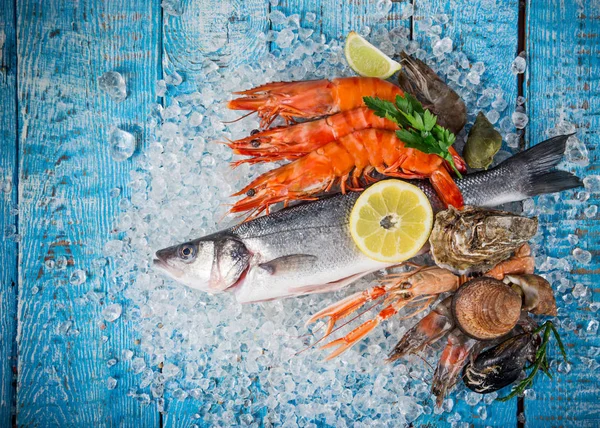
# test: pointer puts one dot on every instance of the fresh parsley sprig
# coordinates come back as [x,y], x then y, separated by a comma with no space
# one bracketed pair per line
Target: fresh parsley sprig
[418,126]
[541,359]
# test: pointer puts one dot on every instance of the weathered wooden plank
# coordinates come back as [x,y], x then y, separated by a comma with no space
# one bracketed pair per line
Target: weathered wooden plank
[336,19]
[564,81]
[66,212]
[486,31]
[227,33]
[8,201]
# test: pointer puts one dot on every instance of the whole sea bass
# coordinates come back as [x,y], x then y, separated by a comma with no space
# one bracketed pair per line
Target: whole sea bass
[308,248]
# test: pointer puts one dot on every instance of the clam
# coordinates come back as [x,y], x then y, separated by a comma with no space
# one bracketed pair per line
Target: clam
[500,365]
[474,239]
[538,297]
[485,308]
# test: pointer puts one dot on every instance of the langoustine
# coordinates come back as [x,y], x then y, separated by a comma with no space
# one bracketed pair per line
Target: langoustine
[416,289]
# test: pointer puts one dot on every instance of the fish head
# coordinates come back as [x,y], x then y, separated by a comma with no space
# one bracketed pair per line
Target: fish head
[209,264]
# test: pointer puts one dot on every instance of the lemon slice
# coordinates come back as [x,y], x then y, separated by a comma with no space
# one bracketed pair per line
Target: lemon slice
[391,221]
[366,60]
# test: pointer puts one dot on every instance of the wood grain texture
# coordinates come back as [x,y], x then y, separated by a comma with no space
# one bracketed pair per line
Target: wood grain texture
[8,200]
[485,31]
[564,80]
[66,174]
[336,19]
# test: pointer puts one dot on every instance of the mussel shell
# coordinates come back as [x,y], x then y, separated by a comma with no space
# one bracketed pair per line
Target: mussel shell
[499,366]
[485,308]
[538,297]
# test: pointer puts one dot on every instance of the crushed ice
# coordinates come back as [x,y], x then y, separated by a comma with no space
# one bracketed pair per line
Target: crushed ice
[239,363]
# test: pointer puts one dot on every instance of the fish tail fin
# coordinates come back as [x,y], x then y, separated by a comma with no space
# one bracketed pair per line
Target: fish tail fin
[537,162]
[552,182]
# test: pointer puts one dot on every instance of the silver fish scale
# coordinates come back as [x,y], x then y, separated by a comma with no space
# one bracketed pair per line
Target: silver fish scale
[318,229]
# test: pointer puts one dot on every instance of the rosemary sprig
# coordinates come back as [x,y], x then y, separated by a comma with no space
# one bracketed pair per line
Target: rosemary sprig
[418,126]
[541,359]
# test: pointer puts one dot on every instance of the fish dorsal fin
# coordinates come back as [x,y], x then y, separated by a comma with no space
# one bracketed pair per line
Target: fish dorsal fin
[288,263]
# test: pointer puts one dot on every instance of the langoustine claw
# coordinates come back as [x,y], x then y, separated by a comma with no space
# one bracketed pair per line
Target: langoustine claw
[419,287]
[521,263]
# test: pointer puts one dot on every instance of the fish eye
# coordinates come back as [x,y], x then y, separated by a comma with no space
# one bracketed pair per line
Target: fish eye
[187,252]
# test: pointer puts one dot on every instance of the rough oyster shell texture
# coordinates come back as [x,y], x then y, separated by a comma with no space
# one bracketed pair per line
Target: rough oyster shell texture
[473,240]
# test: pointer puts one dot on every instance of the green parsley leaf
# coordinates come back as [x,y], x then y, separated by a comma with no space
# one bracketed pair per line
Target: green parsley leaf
[419,128]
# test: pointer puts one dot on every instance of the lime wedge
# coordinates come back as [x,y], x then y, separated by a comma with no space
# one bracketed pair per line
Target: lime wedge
[366,60]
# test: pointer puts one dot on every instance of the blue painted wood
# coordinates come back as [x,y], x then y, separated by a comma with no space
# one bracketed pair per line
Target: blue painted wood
[8,201]
[66,212]
[563,80]
[66,175]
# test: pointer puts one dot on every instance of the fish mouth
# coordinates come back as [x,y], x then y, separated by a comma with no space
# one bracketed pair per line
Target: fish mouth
[166,267]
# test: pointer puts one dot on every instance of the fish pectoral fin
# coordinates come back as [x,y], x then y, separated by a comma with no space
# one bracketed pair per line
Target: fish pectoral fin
[288,263]
[330,286]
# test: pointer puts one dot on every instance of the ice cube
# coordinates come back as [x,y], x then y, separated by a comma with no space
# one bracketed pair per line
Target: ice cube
[112,312]
[113,83]
[582,256]
[520,119]
[174,79]
[111,383]
[592,327]
[519,65]
[172,7]
[277,17]
[592,183]
[78,277]
[591,211]
[122,144]
[442,47]
[513,140]
[160,88]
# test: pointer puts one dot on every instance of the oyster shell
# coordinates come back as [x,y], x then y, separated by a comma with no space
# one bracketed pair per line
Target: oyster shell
[474,239]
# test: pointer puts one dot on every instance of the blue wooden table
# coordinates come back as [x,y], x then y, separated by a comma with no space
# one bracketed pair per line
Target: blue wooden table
[56,175]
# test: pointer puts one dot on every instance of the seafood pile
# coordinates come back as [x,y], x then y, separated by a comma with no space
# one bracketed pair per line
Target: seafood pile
[237,363]
[307,248]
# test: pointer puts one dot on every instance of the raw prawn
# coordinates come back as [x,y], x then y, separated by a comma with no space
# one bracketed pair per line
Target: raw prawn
[348,159]
[292,142]
[312,98]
